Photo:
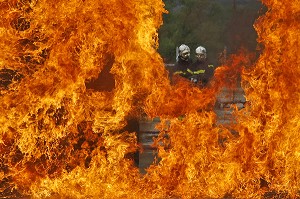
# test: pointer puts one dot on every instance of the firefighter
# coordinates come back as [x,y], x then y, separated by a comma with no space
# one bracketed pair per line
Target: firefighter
[183,63]
[201,71]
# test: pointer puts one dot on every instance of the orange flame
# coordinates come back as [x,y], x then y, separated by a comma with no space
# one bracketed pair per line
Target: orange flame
[76,71]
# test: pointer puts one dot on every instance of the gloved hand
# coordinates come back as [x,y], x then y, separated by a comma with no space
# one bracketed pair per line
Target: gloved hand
[194,80]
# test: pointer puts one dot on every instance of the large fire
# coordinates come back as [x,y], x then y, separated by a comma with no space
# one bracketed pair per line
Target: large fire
[63,133]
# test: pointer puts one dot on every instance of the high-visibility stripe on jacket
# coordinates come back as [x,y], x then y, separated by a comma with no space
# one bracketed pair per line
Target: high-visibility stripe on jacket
[197,72]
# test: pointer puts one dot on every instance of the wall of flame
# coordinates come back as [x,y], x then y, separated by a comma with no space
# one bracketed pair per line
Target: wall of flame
[63,139]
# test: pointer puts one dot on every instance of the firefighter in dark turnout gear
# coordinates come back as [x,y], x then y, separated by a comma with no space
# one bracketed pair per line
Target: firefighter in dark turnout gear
[201,71]
[183,63]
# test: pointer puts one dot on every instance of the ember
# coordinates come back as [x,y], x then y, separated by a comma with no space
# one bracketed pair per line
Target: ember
[62,136]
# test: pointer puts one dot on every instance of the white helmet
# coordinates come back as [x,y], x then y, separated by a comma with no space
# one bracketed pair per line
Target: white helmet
[200,53]
[184,52]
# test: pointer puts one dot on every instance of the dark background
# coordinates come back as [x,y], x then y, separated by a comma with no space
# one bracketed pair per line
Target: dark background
[214,24]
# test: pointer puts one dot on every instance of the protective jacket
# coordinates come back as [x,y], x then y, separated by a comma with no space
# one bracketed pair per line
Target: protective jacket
[181,68]
[201,72]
